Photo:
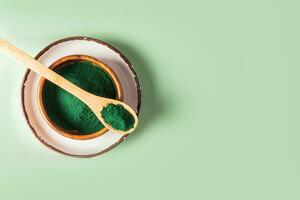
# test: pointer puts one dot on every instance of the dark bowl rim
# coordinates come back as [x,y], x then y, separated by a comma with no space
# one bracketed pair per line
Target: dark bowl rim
[87,39]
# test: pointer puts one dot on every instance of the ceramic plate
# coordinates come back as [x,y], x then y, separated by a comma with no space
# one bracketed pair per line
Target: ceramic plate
[76,46]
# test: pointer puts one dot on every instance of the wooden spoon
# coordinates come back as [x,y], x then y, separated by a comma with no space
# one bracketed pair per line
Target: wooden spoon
[96,103]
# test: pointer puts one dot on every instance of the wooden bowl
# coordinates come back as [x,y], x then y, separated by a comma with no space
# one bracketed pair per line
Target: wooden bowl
[60,62]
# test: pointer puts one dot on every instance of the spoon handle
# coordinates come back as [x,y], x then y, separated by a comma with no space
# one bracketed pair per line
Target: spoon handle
[22,57]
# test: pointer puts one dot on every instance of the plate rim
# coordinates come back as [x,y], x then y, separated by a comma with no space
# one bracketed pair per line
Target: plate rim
[85,39]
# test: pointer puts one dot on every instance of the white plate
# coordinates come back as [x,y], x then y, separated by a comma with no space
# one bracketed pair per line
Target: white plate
[76,46]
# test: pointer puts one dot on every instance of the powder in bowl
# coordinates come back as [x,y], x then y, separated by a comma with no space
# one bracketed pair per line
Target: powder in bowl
[66,110]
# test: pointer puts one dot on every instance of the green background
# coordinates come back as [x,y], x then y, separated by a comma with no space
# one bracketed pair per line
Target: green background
[220,101]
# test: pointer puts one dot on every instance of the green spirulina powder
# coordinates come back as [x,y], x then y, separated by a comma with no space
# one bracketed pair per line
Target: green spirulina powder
[66,110]
[118,117]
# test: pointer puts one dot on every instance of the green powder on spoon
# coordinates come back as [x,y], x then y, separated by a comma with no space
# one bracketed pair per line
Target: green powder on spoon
[118,117]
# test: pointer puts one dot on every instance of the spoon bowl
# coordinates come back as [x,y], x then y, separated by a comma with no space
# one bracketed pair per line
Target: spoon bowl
[98,107]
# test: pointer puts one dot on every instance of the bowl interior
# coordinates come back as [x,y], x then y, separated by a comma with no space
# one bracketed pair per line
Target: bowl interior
[73,134]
